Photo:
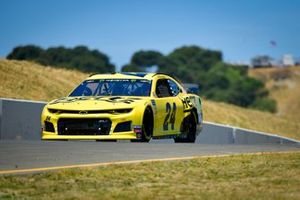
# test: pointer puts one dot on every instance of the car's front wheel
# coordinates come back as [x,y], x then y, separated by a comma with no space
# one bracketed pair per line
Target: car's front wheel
[147,127]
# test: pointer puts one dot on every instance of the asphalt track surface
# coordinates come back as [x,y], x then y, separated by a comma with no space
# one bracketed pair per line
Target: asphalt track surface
[18,155]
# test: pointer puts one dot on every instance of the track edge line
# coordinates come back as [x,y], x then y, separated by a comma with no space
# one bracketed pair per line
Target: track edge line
[89,165]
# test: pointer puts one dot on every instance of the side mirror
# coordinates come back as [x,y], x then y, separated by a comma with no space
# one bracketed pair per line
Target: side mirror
[192,90]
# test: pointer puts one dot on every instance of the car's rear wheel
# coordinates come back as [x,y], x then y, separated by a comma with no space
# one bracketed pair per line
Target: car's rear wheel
[189,132]
[147,127]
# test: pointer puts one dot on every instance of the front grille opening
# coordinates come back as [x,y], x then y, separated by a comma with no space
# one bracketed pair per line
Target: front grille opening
[112,111]
[49,127]
[84,126]
[123,126]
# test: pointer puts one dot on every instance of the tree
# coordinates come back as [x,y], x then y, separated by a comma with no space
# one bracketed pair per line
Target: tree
[146,58]
[217,80]
[261,61]
[143,61]
[30,52]
[133,68]
[79,57]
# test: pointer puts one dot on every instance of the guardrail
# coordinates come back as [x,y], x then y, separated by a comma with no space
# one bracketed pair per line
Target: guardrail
[20,120]
[213,133]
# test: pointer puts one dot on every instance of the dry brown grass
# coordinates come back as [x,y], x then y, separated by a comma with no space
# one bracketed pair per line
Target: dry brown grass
[284,86]
[27,80]
[251,119]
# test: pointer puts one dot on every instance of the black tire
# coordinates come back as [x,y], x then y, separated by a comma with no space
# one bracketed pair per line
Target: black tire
[106,140]
[147,127]
[190,130]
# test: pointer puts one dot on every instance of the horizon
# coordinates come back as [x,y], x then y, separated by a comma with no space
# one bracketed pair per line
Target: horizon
[240,30]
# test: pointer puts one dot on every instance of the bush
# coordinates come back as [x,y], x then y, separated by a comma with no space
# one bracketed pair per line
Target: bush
[281,74]
[265,104]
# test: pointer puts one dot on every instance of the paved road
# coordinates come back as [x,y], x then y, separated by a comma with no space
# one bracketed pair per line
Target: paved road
[34,154]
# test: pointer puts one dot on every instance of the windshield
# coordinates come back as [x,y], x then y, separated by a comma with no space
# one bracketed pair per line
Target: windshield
[113,87]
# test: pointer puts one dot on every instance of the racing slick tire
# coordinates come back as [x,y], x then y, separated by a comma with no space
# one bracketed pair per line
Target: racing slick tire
[189,130]
[106,140]
[147,127]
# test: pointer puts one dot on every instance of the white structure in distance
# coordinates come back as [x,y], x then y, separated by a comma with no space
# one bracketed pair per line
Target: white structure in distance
[288,60]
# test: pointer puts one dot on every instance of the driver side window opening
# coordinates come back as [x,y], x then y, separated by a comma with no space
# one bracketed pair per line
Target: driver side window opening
[166,88]
[173,87]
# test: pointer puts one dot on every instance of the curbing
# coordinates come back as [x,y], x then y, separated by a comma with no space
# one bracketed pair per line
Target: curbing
[20,120]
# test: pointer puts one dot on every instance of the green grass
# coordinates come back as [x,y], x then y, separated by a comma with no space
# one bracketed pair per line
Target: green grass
[266,176]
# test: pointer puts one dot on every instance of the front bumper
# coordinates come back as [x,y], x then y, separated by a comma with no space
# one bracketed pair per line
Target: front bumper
[120,136]
[57,134]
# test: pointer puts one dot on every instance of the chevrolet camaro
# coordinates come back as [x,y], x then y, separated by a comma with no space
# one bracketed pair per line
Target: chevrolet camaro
[130,106]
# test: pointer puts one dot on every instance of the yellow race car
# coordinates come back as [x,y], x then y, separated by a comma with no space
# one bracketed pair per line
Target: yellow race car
[131,106]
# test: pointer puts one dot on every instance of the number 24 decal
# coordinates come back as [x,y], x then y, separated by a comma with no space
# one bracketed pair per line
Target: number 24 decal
[170,117]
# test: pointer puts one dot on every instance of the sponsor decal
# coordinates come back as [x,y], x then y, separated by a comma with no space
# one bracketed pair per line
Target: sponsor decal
[48,118]
[154,105]
[110,99]
[120,100]
[153,102]
[69,100]
[83,112]
[137,129]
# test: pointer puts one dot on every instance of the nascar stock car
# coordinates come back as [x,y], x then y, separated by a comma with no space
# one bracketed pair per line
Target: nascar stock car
[131,106]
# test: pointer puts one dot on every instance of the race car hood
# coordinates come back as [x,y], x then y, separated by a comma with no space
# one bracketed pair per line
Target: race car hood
[94,103]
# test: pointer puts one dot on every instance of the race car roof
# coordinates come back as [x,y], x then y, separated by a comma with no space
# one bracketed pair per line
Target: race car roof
[133,75]
[129,75]
[123,75]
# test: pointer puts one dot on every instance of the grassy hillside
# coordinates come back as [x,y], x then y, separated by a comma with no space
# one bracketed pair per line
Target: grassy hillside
[251,119]
[284,87]
[26,80]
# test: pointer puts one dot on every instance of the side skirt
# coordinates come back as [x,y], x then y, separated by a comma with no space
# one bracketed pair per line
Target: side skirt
[165,136]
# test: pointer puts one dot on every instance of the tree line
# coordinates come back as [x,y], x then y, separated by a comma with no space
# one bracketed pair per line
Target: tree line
[79,57]
[217,80]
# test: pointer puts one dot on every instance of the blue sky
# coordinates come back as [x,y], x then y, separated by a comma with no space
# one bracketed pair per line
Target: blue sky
[241,29]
